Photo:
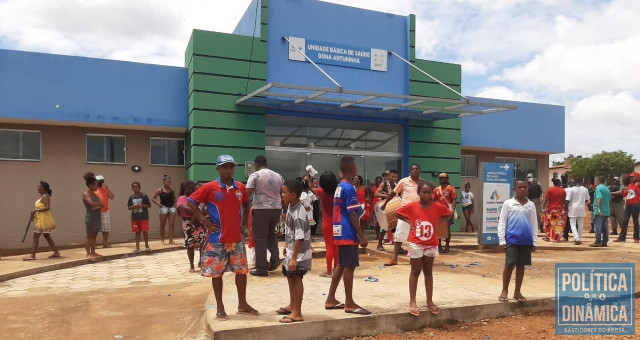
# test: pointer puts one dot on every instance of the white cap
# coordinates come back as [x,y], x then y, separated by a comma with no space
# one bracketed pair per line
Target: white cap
[100,178]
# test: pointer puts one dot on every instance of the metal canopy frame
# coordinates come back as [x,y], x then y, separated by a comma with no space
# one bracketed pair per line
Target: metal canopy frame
[343,101]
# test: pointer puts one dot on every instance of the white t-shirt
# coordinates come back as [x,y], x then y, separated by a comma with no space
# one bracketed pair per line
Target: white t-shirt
[466,198]
[577,197]
[307,198]
[267,185]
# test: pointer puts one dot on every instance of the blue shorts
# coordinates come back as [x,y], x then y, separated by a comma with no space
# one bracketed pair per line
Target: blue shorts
[348,256]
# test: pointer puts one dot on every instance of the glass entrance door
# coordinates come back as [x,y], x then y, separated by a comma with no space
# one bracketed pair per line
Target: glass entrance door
[292,163]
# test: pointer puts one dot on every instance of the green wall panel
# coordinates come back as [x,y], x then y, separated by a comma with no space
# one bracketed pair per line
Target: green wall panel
[227,138]
[435,149]
[450,74]
[445,123]
[227,120]
[222,84]
[208,172]
[228,46]
[421,134]
[210,153]
[434,90]
[217,101]
[219,66]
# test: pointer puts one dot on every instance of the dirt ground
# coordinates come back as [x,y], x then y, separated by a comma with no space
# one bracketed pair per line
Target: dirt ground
[158,312]
[177,311]
[531,326]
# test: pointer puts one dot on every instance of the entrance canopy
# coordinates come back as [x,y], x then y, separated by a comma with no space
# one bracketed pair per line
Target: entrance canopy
[342,101]
[350,102]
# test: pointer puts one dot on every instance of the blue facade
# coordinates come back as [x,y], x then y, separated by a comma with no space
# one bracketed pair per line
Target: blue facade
[249,24]
[66,89]
[321,21]
[531,127]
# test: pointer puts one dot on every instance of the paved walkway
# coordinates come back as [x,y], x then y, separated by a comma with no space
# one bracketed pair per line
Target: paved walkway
[467,283]
[162,268]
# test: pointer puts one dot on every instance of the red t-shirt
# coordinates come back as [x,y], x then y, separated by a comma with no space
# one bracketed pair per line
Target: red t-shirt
[423,221]
[227,203]
[326,202]
[555,196]
[632,193]
[374,188]
[444,196]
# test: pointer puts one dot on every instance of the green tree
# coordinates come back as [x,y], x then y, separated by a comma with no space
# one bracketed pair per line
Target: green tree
[605,163]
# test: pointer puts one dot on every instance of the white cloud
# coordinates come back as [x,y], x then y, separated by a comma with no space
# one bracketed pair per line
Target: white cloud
[603,122]
[501,92]
[582,69]
[152,31]
[472,67]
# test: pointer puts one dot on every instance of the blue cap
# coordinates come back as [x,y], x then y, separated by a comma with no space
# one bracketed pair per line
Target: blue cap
[224,159]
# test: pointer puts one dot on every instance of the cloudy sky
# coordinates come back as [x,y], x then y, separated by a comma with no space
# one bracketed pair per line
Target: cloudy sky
[583,54]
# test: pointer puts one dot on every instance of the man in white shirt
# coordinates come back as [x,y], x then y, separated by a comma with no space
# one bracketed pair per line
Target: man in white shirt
[266,186]
[576,201]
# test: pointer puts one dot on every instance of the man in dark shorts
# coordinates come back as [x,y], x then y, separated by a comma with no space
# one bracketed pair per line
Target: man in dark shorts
[347,235]
[518,234]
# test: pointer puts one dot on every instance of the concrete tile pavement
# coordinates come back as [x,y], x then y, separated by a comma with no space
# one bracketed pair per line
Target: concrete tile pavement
[467,282]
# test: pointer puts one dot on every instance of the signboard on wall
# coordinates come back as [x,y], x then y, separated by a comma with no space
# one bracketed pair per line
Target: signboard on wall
[496,188]
[328,53]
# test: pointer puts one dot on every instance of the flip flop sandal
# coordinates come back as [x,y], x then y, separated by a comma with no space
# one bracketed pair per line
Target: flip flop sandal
[53,256]
[340,305]
[28,258]
[222,317]
[371,279]
[434,310]
[251,311]
[360,311]
[283,311]
[503,298]
[288,319]
[390,263]
[414,311]
[520,299]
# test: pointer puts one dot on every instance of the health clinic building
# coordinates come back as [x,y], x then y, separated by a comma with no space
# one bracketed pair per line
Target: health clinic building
[302,82]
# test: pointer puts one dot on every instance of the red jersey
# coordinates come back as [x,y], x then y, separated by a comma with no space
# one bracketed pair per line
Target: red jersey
[555,196]
[632,193]
[225,205]
[423,221]
[444,196]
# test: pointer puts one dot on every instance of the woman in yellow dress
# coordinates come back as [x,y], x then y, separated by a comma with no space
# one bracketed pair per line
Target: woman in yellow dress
[43,221]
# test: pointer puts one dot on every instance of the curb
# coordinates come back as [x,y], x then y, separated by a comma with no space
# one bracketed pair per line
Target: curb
[381,323]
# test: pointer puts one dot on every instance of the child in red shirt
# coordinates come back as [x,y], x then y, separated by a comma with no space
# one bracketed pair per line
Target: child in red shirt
[423,216]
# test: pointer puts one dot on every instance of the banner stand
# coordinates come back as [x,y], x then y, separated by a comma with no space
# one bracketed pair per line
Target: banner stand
[497,187]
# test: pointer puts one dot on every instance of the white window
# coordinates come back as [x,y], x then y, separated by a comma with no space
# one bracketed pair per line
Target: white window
[21,145]
[106,149]
[166,151]
[469,166]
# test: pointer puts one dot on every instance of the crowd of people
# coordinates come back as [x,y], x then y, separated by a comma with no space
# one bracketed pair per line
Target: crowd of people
[343,205]
[564,208]
[216,215]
